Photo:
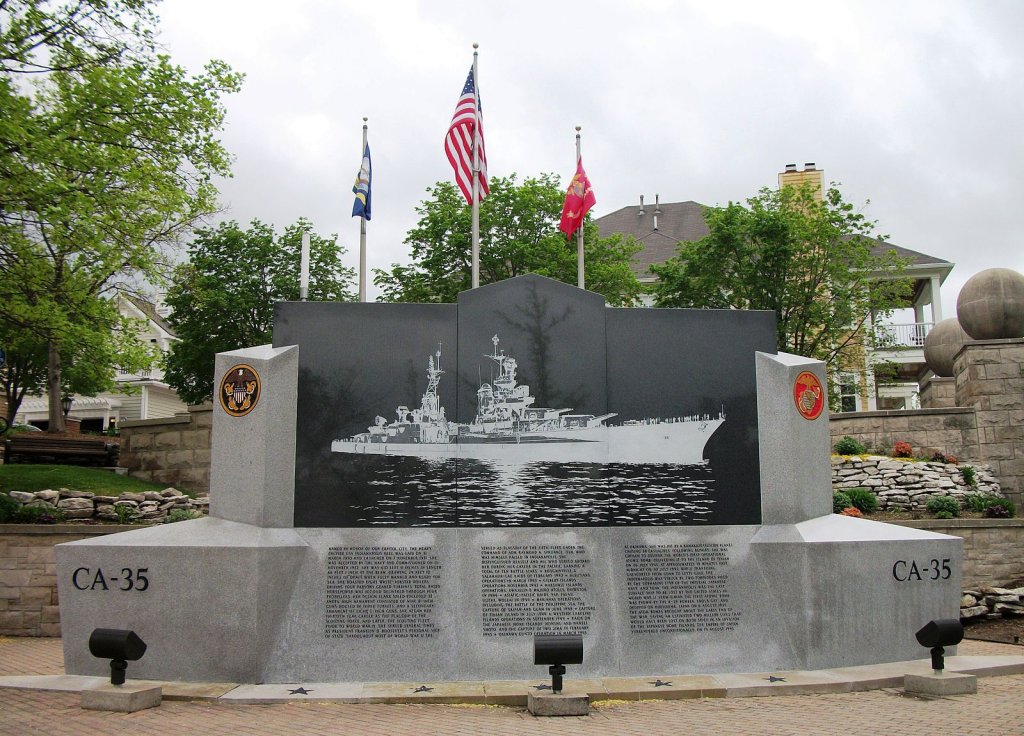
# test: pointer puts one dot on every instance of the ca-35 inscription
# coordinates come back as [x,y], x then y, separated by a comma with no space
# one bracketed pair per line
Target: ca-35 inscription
[87,578]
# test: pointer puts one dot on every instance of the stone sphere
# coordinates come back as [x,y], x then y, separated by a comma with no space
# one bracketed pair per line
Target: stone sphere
[942,344]
[991,305]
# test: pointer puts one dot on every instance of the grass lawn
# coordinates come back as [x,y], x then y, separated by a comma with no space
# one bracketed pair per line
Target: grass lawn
[31,478]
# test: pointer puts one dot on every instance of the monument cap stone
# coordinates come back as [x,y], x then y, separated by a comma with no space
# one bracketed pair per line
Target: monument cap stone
[991,305]
[942,344]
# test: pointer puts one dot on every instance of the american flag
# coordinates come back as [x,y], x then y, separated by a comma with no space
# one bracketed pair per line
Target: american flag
[458,144]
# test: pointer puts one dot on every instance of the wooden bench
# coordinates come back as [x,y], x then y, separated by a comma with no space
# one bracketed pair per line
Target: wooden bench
[40,447]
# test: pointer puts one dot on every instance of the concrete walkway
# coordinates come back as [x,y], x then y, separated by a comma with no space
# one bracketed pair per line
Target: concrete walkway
[35,698]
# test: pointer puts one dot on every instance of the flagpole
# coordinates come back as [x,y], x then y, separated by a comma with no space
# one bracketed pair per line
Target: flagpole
[476,175]
[579,240]
[362,239]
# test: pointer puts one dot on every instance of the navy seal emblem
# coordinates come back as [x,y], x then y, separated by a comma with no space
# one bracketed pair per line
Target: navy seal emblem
[239,390]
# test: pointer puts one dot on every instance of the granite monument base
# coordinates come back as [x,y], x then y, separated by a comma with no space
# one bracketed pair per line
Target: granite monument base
[223,601]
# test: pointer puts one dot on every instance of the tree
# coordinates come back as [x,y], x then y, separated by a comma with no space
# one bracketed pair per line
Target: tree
[814,263]
[105,160]
[223,298]
[518,235]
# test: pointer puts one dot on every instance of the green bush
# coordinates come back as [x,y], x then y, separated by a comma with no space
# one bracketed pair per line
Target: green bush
[863,500]
[8,508]
[849,446]
[125,513]
[38,515]
[970,476]
[943,505]
[980,501]
[840,501]
[181,515]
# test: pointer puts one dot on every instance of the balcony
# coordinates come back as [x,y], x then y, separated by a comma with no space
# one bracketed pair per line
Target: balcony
[124,375]
[902,337]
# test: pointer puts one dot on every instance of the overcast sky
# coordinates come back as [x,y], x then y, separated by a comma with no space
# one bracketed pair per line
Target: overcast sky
[915,106]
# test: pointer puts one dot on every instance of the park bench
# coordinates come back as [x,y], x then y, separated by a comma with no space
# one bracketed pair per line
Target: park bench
[39,447]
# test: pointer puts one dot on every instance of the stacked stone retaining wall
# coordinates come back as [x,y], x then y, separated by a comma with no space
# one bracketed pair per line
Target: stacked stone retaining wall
[905,485]
[175,451]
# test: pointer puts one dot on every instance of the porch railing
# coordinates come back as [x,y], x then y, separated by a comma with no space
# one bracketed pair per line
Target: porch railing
[902,336]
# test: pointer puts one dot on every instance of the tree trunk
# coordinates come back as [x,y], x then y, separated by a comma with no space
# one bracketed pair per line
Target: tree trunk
[53,388]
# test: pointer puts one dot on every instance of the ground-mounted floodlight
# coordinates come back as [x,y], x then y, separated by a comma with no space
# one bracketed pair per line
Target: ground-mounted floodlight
[119,646]
[557,650]
[944,632]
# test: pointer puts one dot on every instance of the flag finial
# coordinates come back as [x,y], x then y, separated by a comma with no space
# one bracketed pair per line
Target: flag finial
[475,45]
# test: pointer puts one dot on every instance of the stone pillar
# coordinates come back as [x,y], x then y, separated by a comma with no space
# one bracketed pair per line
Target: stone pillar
[252,465]
[989,377]
[937,392]
[796,473]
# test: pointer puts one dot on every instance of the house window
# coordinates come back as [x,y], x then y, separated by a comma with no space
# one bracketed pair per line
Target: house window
[848,392]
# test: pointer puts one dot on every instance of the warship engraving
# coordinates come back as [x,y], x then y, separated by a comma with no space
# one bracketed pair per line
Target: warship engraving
[508,428]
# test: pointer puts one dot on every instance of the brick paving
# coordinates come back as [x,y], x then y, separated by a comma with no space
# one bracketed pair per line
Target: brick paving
[998,708]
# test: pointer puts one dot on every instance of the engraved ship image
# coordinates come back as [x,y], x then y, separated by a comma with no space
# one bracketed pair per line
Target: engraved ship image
[509,429]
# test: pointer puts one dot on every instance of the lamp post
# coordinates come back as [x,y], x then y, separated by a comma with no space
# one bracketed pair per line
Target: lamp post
[65,402]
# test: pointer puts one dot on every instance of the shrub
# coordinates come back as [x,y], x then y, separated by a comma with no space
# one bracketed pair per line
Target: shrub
[8,508]
[863,500]
[840,501]
[852,511]
[970,477]
[849,446]
[943,505]
[38,515]
[997,512]
[1002,510]
[940,457]
[181,515]
[902,449]
[125,513]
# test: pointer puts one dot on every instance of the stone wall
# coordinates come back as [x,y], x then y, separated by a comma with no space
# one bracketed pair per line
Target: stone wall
[951,431]
[938,393]
[84,505]
[905,485]
[28,582]
[175,451]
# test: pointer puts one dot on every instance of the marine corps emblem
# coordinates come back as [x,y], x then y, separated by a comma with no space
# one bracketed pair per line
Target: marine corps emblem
[808,395]
[239,390]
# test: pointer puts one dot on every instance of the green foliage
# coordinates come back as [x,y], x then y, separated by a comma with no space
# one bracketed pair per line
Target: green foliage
[181,515]
[8,508]
[106,158]
[518,235]
[126,513]
[223,298]
[863,500]
[809,261]
[943,505]
[32,478]
[840,501]
[990,505]
[38,515]
[850,446]
[970,476]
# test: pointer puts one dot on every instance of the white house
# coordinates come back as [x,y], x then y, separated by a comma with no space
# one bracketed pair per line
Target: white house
[142,395]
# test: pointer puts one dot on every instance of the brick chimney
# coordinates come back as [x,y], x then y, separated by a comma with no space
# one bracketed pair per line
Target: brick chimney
[810,175]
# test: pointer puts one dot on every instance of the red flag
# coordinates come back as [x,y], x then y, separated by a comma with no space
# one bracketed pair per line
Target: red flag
[578,201]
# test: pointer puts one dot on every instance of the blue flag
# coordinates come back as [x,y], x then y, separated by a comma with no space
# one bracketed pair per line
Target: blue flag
[361,206]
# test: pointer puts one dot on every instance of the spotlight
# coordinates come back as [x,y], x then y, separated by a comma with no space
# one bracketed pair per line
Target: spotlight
[945,632]
[118,646]
[557,650]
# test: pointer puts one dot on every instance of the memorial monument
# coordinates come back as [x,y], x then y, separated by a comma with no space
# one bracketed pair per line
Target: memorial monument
[412,491]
